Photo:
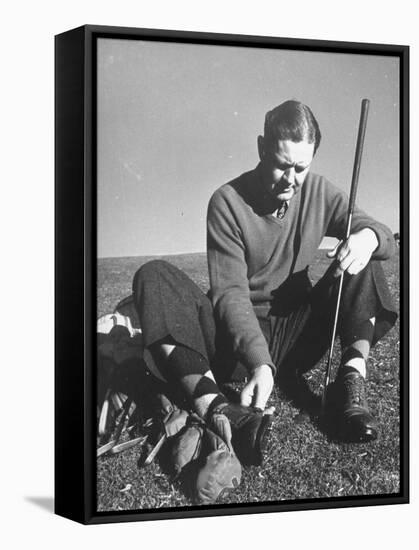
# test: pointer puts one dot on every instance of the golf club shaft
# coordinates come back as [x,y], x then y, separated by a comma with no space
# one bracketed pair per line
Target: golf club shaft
[354,188]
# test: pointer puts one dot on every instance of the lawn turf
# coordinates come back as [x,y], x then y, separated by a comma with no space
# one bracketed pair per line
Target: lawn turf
[302,463]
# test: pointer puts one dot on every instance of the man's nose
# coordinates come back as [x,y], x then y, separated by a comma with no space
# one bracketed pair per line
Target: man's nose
[289,175]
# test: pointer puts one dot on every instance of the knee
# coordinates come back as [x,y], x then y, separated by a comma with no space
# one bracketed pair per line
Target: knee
[150,272]
[153,267]
[366,275]
[371,267]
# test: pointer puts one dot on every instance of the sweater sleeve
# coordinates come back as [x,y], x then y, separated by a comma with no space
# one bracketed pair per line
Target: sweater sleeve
[338,207]
[230,287]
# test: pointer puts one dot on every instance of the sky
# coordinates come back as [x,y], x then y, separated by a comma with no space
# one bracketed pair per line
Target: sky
[177,121]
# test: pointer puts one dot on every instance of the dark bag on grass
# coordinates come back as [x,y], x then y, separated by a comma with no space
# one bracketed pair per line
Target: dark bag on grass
[123,379]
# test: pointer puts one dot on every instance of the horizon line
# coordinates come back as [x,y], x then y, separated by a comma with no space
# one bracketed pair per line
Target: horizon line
[174,254]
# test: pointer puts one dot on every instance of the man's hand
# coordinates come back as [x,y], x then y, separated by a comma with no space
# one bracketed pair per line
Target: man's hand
[354,254]
[257,391]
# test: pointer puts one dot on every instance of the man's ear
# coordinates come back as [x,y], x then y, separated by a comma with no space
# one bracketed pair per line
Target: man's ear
[261,148]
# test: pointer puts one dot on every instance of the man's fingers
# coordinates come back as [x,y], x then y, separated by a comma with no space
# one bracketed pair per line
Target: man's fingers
[355,268]
[259,400]
[344,252]
[252,396]
[332,253]
[246,395]
[338,271]
[346,262]
[349,266]
[261,395]
[257,391]
[351,256]
[245,399]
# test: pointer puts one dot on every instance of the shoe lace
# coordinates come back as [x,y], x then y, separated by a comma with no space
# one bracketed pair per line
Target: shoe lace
[356,389]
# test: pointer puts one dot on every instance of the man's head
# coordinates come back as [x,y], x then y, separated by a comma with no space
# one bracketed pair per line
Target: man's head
[291,138]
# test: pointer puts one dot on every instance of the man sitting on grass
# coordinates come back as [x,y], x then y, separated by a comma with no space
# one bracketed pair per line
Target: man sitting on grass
[264,229]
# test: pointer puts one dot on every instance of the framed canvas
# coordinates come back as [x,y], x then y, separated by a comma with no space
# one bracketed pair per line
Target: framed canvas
[210,269]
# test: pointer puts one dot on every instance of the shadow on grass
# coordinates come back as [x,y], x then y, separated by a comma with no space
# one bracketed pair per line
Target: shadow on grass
[298,393]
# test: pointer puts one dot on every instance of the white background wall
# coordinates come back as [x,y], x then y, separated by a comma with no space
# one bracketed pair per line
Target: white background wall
[26,202]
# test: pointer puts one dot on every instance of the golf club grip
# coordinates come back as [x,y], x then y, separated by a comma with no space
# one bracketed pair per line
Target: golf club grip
[357,162]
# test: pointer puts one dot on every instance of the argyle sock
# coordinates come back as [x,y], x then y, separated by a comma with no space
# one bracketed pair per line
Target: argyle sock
[355,350]
[192,372]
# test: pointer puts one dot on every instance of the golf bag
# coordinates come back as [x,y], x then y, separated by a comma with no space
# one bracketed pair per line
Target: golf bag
[128,381]
[136,405]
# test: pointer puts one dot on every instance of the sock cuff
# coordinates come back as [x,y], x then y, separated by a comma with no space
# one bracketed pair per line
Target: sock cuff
[204,387]
[362,331]
[351,353]
[185,361]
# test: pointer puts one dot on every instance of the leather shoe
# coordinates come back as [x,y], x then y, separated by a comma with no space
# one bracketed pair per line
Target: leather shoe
[355,422]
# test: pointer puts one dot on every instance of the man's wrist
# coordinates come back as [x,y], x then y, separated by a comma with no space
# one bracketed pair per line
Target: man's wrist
[266,367]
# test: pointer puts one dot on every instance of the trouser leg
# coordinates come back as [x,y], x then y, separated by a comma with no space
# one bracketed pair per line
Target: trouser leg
[366,296]
[178,329]
[299,340]
[169,303]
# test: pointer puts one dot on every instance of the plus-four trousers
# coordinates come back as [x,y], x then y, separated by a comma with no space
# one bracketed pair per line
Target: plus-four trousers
[297,329]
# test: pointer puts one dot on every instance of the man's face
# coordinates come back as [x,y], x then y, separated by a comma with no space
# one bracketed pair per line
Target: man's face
[285,165]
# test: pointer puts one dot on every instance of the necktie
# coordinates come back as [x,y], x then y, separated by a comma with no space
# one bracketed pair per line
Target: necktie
[282,210]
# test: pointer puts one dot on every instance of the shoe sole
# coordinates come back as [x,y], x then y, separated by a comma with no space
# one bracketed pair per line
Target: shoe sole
[351,434]
[262,439]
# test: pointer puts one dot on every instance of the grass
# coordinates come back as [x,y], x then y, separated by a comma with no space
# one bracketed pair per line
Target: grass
[302,463]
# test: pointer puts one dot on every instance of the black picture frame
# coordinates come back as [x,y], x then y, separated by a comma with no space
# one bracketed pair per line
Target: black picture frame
[75,273]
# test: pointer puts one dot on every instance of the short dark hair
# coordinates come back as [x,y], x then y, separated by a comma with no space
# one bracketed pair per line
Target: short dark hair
[294,121]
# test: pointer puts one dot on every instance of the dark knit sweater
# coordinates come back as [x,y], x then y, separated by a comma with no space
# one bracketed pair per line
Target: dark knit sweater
[251,253]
